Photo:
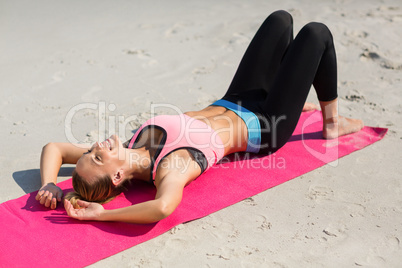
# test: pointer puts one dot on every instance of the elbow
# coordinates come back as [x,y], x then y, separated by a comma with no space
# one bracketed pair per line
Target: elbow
[48,146]
[52,150]
[164,210]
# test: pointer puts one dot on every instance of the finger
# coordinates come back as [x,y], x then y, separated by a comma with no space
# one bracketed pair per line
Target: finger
[39,195]
[48,200]
[83,204]
[68,206]
[43,198]
[59,196]
[53,203]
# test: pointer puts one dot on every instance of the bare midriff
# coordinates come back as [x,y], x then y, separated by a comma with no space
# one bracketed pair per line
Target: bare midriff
[228,125]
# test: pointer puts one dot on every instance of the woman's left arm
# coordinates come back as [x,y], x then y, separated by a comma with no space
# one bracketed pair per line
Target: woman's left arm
[168,197]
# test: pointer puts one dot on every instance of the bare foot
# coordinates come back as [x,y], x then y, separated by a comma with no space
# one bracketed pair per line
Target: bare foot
[310,106]
[339,126]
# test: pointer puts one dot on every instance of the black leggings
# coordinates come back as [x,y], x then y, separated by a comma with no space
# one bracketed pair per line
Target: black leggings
[276,72]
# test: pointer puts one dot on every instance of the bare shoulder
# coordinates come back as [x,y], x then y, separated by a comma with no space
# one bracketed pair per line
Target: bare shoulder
[178,165]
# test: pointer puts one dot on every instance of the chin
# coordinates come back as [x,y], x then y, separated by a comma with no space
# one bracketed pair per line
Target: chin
[117,141]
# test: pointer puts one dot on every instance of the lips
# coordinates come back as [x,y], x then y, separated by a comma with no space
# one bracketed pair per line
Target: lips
[107,144]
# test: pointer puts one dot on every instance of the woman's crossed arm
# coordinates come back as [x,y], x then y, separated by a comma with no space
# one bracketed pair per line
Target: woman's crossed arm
[168,197]
[52,157]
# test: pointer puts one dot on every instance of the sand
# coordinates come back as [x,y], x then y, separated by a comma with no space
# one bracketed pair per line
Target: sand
[120,57]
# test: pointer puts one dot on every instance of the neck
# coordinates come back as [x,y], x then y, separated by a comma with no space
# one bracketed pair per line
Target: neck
[138,164]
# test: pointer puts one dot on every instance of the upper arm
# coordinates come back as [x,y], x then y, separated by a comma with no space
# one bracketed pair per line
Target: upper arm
[171,178]
[170,192]
[70,153]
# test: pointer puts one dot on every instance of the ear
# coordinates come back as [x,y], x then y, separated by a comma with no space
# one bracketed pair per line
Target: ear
[118,177]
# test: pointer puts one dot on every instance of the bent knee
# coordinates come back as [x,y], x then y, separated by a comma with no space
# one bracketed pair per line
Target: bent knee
[316,29]
[281,16]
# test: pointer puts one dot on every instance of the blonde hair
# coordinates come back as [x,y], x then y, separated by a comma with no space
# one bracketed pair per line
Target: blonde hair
[102,190]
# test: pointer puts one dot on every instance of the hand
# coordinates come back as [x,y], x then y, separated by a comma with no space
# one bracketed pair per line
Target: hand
[88,210]
[49,194]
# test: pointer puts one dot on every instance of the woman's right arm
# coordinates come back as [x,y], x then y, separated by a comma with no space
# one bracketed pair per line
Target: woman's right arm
[53,156]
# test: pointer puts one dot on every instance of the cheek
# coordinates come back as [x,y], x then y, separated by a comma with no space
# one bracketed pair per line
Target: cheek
[121,155]
[113,158]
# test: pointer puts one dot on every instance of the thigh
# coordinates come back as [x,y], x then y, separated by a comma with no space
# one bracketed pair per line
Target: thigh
[310,57]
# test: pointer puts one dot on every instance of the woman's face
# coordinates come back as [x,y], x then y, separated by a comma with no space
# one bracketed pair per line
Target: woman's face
[104,158]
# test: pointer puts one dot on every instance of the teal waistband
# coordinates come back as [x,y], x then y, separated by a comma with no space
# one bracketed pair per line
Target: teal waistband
[251,120]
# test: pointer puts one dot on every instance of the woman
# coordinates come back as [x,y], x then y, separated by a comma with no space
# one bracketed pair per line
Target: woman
[257,114]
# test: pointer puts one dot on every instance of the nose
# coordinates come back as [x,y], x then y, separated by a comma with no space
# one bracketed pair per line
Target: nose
[98,145]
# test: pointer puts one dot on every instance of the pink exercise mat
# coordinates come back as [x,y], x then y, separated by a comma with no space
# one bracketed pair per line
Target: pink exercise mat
[32,235]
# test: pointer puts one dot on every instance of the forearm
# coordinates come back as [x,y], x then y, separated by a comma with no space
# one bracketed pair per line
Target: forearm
[142,213]
[50,163]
